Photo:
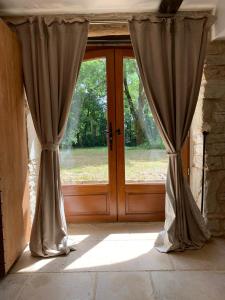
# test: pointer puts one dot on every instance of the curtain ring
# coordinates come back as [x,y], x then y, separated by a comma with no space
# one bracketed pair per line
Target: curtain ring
[173,154]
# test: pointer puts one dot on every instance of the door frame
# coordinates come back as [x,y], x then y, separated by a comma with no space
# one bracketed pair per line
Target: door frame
[103,207]
[129,210]
[116,193]
[137,201]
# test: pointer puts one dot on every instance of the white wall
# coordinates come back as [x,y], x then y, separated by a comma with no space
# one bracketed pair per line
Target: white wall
[219,27]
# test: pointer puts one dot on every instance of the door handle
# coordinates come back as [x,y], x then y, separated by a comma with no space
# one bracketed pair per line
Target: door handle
[118,131]
[110,135]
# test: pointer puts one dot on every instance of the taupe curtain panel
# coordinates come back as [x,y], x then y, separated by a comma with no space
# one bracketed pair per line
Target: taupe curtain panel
[170,53]
[52,51]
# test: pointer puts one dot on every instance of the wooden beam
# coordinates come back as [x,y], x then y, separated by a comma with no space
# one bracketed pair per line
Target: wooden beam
[108,29]
[169,6]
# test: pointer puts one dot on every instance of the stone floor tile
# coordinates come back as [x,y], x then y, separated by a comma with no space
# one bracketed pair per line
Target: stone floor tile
[124,286]
[11,286]
[117,256]
[188,285]
[59,286]
[154,260]
[210,257]
[89,256]
[115,231]
[29,264]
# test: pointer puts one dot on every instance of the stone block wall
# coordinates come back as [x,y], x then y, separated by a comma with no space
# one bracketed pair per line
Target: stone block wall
[210,116]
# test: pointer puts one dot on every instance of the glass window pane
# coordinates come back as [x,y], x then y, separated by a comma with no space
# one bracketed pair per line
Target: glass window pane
[145,156]
[83,151]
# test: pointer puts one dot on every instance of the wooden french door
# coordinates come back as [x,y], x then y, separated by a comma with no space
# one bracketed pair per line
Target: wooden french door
[113,181]
[95,199]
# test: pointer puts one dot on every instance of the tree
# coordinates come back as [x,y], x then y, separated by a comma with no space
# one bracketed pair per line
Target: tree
[143,129]
[87,121]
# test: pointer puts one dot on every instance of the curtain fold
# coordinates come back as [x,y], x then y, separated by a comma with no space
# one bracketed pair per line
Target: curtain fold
[52,51]
[170,53]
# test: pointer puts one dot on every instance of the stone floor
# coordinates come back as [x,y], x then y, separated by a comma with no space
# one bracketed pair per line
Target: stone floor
[117,261]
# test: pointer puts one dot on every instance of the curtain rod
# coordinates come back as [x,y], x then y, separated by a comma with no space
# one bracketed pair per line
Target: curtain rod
[126,17]
[113,18]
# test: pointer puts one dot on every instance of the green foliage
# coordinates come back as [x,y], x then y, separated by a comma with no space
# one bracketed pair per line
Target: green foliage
[87,122]
[140,127]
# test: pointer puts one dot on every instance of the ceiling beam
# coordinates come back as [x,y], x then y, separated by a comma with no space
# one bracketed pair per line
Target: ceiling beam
[169,6]
[107,29]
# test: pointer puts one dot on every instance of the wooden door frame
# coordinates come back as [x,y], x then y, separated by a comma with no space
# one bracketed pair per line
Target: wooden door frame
[108,190]
[124,190]
[117,208]
[2,259]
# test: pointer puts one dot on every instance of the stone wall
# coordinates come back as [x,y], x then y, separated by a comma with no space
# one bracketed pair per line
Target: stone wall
[210,116]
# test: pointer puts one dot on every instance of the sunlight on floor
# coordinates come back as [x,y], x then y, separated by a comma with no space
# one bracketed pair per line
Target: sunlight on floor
[33,264]
[102,254]
[100,246]
[77,237]
[119,261]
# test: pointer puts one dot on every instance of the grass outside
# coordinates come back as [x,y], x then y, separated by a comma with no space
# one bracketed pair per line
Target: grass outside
[89,165]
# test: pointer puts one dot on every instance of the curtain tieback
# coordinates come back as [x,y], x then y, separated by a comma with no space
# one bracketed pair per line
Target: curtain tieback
[50,146]
[174,154]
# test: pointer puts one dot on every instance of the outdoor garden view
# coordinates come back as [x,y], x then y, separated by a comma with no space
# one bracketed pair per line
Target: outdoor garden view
[83,151]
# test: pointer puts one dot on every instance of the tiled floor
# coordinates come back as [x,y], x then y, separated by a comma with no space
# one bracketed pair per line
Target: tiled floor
[118,262]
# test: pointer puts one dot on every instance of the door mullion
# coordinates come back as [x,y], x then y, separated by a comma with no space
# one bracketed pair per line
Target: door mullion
[120,137]
[110,70]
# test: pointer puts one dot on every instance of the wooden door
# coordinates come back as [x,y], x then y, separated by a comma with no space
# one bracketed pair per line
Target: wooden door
[126,195]
[95,199]
[141,198]
[14,193]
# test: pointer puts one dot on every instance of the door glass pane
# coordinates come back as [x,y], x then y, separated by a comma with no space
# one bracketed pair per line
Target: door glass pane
[145,156]
[83,151]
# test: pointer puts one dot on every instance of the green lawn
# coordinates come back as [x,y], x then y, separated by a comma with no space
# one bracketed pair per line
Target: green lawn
[88,165]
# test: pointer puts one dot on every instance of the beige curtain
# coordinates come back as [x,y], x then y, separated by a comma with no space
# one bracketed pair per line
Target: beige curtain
[52,50]
[170,53]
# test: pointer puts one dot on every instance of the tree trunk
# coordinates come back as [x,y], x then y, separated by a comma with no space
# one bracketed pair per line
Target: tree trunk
[138,127]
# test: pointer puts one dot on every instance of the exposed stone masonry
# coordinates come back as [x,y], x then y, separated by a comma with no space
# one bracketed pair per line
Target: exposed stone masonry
[210,116]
